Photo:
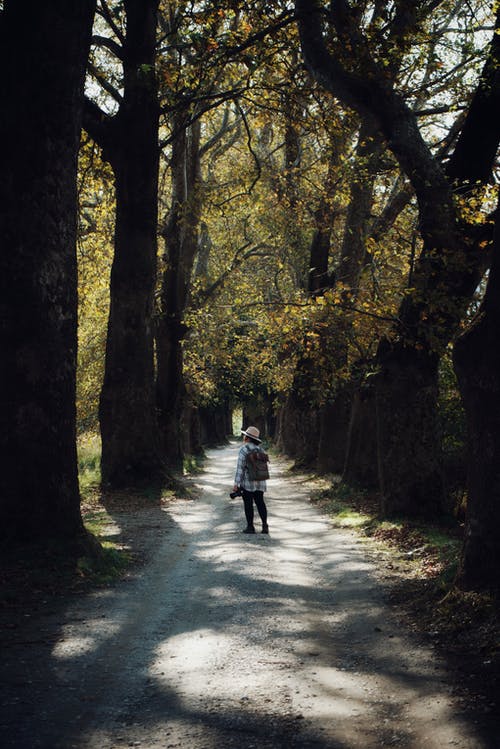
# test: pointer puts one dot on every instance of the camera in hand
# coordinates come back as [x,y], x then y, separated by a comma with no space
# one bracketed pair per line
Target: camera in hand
[235,494]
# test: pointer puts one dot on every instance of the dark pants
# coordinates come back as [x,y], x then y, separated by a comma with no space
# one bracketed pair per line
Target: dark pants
[248,499]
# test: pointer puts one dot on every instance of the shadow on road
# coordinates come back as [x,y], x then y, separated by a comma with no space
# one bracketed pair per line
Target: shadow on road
[224,640]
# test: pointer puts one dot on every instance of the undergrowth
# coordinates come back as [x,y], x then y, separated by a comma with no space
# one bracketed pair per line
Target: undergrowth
[433,550]
[423,560]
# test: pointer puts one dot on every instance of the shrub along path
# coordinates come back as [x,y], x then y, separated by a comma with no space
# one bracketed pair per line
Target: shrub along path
[222,640]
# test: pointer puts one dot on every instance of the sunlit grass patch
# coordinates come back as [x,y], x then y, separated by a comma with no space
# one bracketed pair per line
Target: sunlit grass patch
[97,521]
[426,550]
[114,560]
[89,461]
[107,568]
[192,464]
[346,509]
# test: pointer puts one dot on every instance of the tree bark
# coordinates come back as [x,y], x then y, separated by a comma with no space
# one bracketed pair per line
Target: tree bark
[215,424]
[42,95]
[477,365]
[131,443]
[334,422]
[409,462]
[181,244]
[360,466]
[259,411]
[299,420]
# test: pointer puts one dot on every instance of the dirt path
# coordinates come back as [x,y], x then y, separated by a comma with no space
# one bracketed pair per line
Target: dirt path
[226,640]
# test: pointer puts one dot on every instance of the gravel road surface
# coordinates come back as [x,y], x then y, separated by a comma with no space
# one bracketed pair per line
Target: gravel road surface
[227,640]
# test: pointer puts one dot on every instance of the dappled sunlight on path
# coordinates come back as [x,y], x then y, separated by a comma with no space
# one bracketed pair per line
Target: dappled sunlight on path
[227,640]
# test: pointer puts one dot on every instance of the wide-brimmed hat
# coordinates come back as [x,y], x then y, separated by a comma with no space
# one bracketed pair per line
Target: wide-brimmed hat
[252,432]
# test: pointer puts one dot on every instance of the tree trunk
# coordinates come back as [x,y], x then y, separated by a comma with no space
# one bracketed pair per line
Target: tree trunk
[42,95]
[360,466]
[258,411]
[320,278]
[335,417]
[334,426]
[477,364]
[299,421]
[298,429]
[191,434]
[408,438]
[131,445]
[181,243]
[215,423]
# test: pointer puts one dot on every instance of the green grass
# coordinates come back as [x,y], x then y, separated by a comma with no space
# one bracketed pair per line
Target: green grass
[343,506]
[89,461]
[192,464]
[113,561]
[428,550]
[108,568]
[95,522]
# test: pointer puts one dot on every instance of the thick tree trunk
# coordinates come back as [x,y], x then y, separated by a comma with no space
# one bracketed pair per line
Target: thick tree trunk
[320,278]
[299,424]
[42,95]
[408,437]
[181,243]
[477,364]
[259,412]
[131,445]
[360,467]
[191,433]
[334,427]
[298,429]
[215,423]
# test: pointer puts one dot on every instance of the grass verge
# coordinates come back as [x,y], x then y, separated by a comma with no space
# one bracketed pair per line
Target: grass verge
[422,558]
[114,560]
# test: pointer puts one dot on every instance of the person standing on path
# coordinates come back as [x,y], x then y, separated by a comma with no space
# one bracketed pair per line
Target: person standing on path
[252,491]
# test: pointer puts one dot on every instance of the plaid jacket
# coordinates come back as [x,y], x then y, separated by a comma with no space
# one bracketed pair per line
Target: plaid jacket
[241,475]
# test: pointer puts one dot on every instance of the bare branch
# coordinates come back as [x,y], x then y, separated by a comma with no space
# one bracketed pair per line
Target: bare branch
[104,83]
[249,144]
[241,254]
[105,12]
[104,41]
[339,305]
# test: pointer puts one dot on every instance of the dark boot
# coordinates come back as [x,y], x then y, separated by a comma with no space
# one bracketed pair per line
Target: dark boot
[249,529]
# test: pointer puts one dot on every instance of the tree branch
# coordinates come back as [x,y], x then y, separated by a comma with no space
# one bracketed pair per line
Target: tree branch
[100,127]
[104,83]
[105,12]
[104,41]
[474,155]
[239,257]
[371,93]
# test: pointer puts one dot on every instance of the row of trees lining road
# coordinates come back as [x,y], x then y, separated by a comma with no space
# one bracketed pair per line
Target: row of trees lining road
[295,209]
[449,267]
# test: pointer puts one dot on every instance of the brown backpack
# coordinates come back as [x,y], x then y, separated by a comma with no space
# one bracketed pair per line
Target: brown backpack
[257,464]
